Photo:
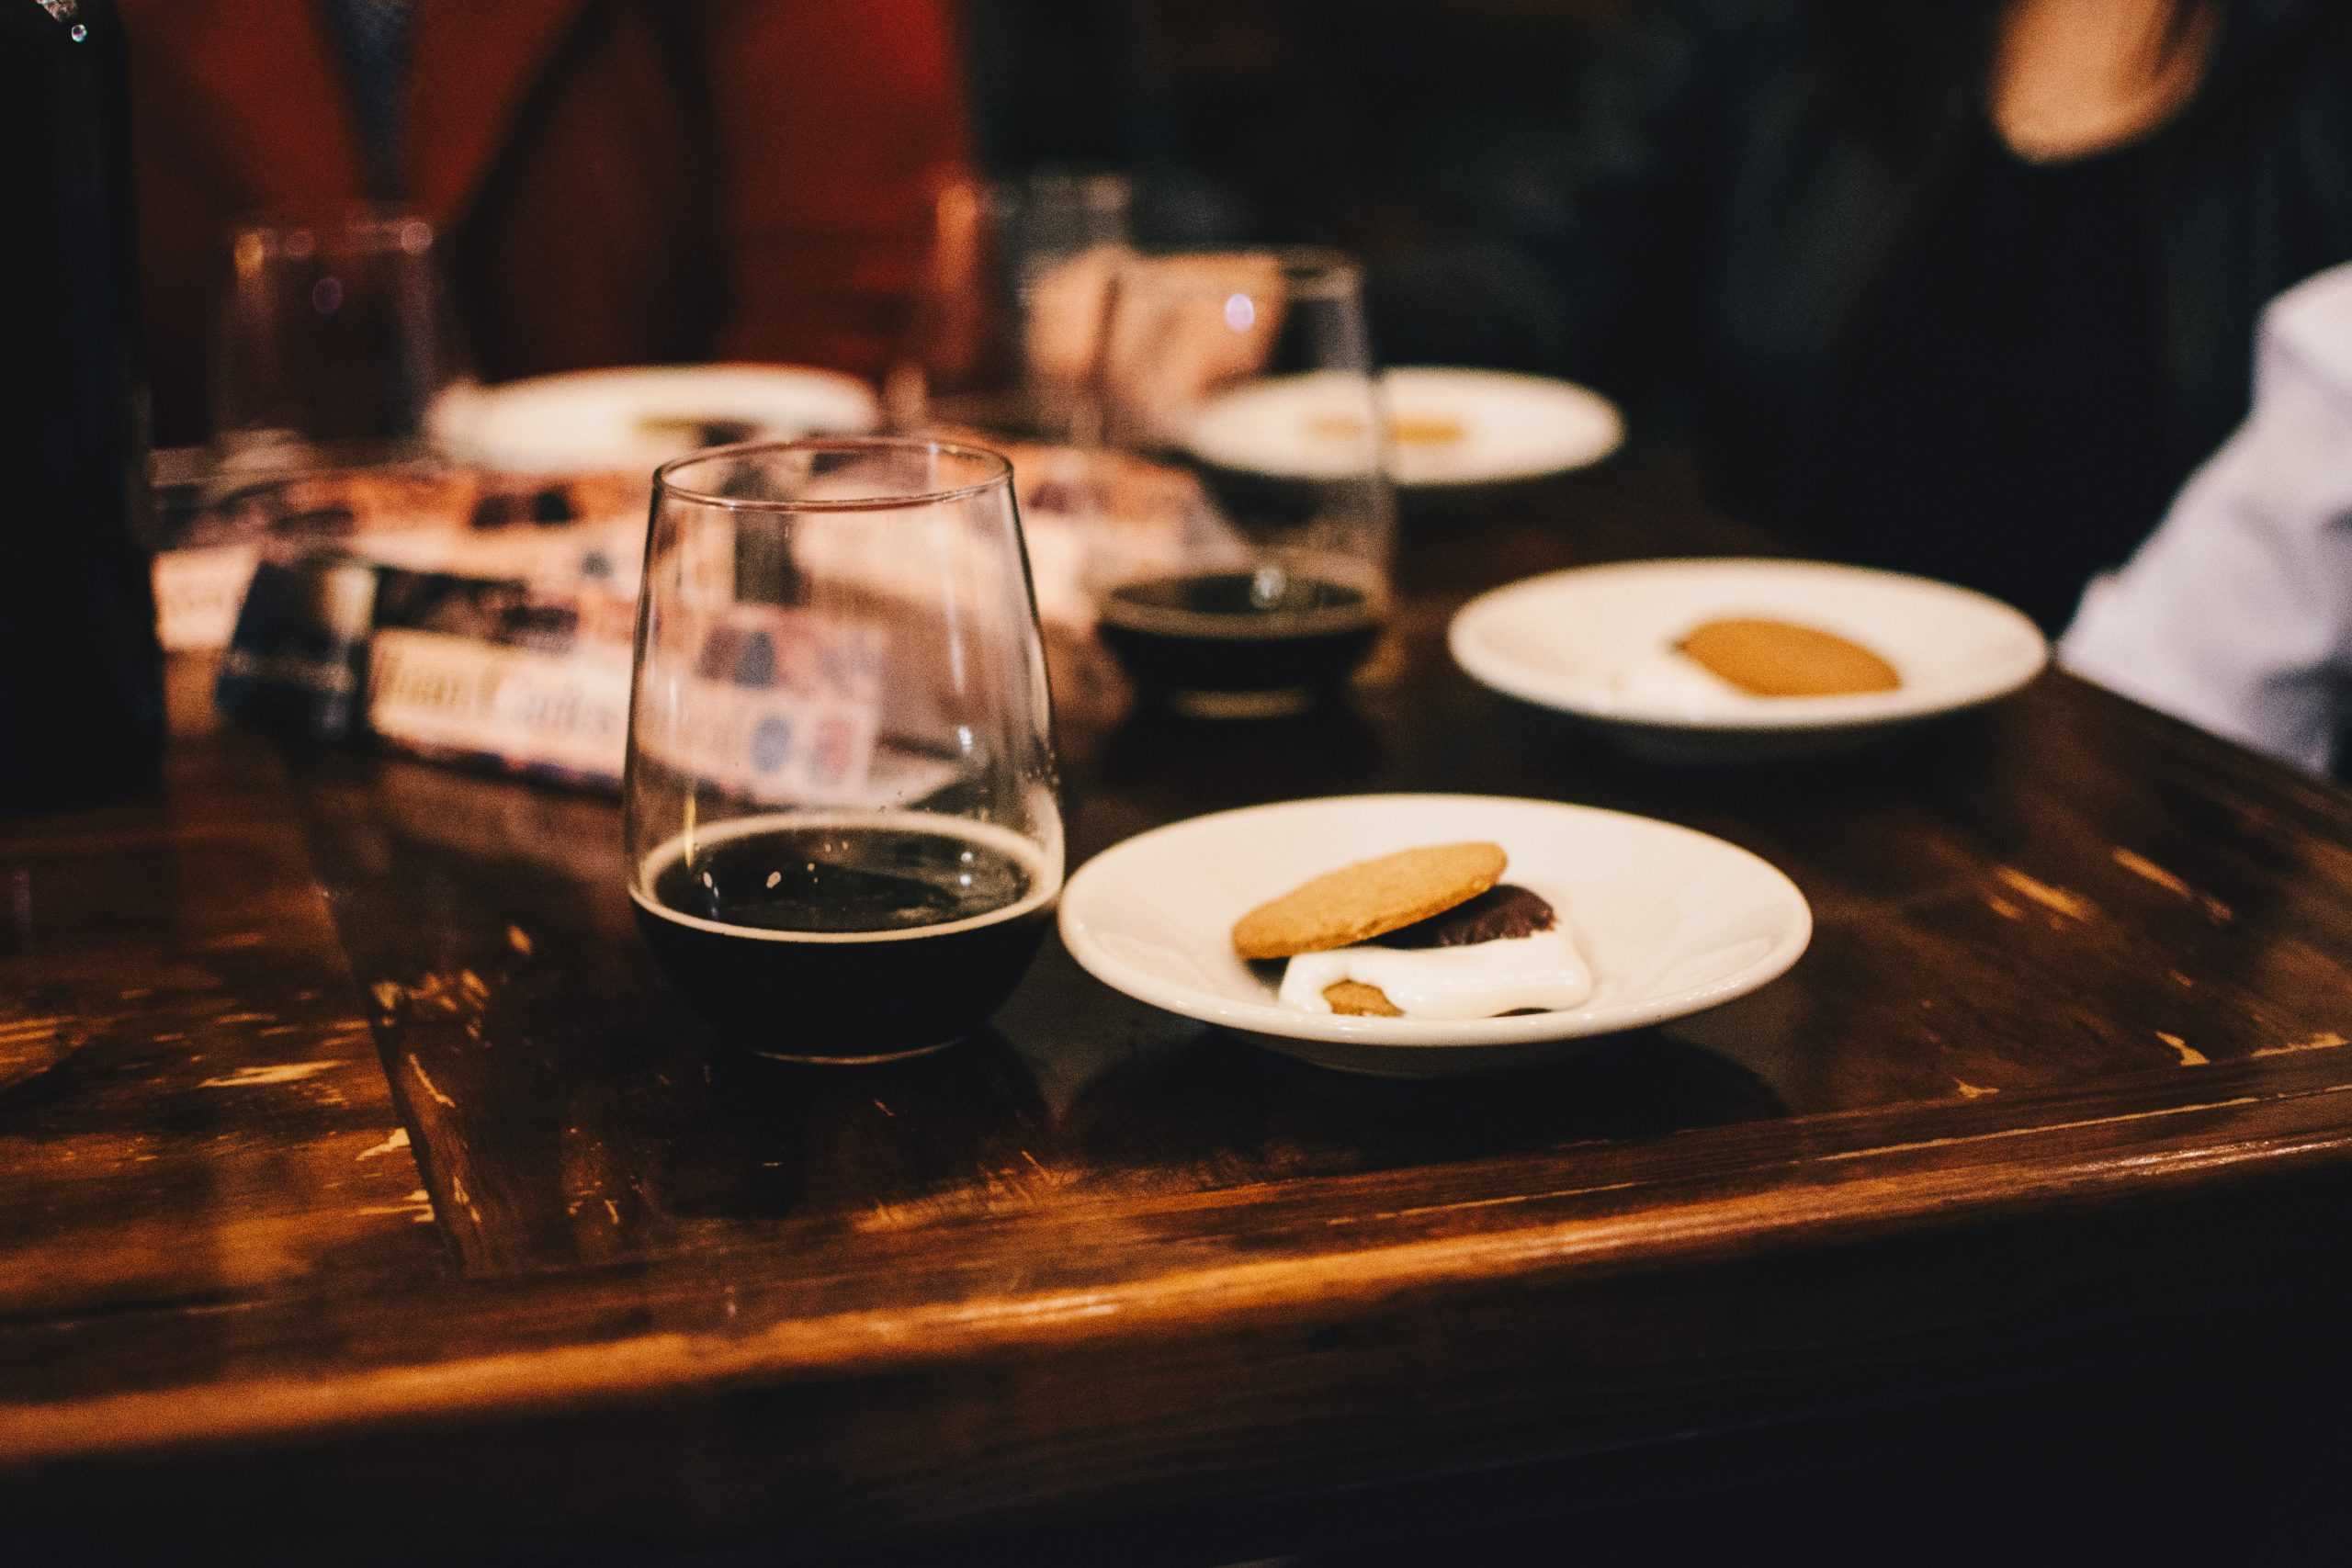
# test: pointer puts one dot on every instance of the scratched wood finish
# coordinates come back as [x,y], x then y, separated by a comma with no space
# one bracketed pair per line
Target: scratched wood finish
[191,1112]
[2060,1083]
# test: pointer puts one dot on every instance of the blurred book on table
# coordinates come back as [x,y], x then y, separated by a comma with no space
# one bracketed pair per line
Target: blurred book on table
[500,626]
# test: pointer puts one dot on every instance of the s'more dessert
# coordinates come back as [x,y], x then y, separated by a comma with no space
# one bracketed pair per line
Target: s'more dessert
[1430,933]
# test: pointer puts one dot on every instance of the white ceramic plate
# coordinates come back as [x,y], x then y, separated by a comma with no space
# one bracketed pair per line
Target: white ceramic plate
[639,417]
[1511,427]
[1598,642]
[1671,920]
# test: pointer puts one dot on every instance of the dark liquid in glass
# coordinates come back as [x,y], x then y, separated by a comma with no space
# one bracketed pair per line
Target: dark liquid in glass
[1239,632]
[843,942]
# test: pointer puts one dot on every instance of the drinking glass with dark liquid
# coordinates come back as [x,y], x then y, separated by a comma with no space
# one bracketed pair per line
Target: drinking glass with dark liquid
[338,342]
[1252,371]
[844,831]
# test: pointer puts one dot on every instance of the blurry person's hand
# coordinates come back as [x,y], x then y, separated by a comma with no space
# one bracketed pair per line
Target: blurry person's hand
[2074,77]
[1066,307]
[1153,336]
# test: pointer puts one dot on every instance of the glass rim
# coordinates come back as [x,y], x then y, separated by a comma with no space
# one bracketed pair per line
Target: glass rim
[1308,272]
[1000,466]
[1096,189]
[335,220]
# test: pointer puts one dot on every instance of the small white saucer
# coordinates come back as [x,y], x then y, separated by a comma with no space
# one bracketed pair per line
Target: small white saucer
[1671,922]
[1598,642]
[637,417]
[1449,427]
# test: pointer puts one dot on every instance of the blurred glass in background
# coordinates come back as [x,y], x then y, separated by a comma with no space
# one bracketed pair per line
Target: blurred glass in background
[1235,390]
[1005,325]
[335,341]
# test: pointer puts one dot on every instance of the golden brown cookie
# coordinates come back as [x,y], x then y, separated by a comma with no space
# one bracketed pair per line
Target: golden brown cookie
[1425,430]
[1780,659]
[1405,430]
[1360,1001]
[1359,902]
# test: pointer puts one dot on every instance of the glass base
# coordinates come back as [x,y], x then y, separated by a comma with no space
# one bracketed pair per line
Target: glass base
[1280,703]
[846,1059]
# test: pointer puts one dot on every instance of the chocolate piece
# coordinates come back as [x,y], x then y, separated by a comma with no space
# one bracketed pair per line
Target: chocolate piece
[1493,916]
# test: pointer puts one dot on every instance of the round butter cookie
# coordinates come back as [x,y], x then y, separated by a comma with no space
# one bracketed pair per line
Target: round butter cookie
[1361,901]
[1781,658]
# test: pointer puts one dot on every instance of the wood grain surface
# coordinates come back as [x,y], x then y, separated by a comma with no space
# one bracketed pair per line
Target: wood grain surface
[355,1153]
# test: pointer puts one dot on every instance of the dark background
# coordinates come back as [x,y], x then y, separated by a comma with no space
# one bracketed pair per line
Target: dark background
[1281,119]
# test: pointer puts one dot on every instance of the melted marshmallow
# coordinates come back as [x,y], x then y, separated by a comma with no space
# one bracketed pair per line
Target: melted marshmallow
[1477,980]
[1668,681]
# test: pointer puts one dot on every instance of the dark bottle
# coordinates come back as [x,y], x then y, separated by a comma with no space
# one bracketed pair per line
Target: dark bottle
[81,681]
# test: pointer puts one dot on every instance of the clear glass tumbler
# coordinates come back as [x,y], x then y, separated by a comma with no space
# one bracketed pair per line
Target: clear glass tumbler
[844,837]
[336,339]
[1011,304]
[1252,372]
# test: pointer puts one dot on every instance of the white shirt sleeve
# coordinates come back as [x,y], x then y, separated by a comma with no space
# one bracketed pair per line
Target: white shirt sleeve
[2236,613]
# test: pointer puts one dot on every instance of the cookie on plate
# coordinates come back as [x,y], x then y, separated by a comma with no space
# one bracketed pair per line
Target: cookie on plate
[1782,659]
[1367,900]
[1359,1000]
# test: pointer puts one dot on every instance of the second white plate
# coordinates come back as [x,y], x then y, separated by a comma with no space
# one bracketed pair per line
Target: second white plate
[1458,427]
[1598,642]
[637,417]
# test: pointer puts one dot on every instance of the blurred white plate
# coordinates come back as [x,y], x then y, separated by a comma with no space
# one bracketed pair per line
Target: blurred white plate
[641,416]
[1671,920]
[1598,642]
[1510,426]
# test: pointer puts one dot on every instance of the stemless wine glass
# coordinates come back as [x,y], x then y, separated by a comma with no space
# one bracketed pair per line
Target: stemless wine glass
[1012,300]
[1253,371]
[336,337]
[843,836]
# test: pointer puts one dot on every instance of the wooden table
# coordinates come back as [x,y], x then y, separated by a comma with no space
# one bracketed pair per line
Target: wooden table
[365,1191]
